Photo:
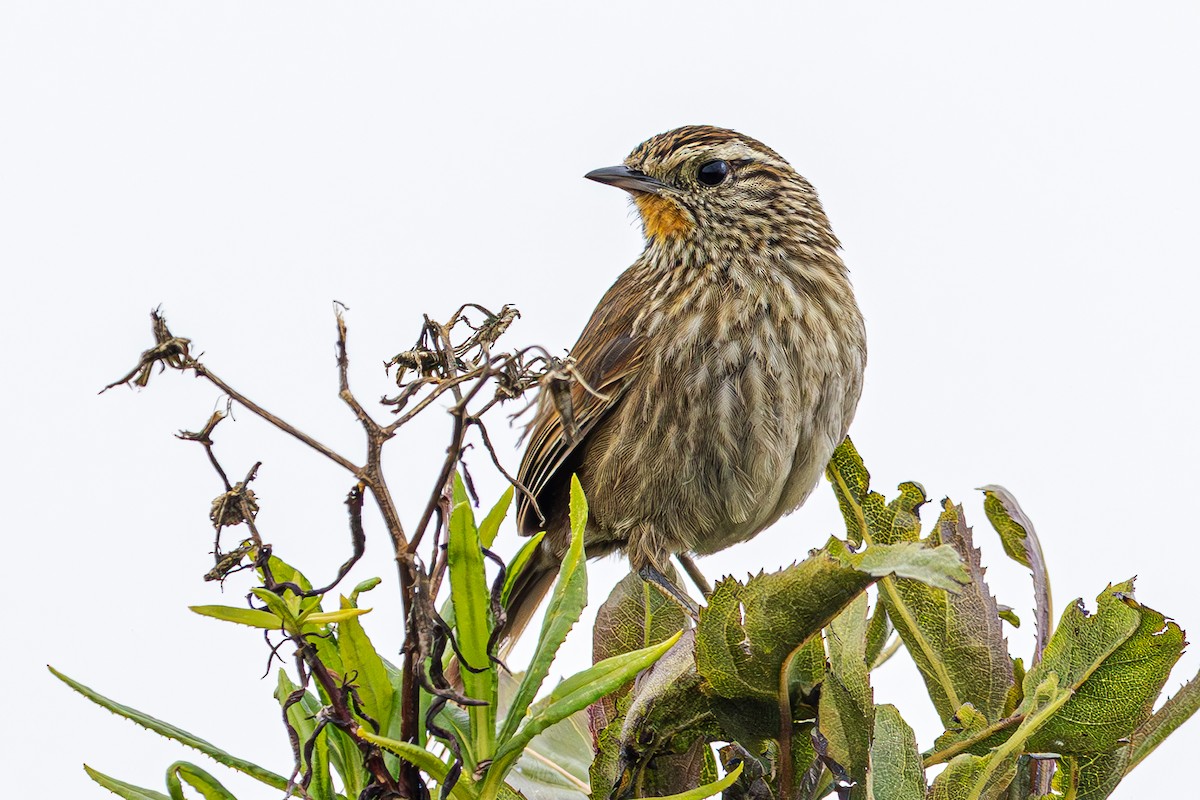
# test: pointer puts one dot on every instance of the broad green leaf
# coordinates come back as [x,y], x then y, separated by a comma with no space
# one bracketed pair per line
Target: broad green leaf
[961,654]
[1115,661]
[301,716]
[663,726]
[939,567]
[554,765]
[123,789]
[473,626]
[1021,543]
[566,604]
[209,787]
[747,633]
[571,695]
[1091,777]
[971,777]
[956,640]
[708,790]
[491,523]
[285,606]
[362,663]
[242,616]
[879,629]
[896,771]
[846,716]
[178,734]
[868,517]
[634,616]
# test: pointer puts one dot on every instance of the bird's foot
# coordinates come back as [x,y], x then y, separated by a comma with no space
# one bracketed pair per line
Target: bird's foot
[650,574]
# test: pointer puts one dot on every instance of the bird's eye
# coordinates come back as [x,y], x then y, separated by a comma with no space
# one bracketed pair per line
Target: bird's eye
[712,173]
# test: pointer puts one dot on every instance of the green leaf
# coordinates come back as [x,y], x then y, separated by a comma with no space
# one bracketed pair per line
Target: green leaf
[955,640]
[662,730]
[473,627]
[123,789]
[491,523]
[936,566]
[971,777]
[1116,662]
[242,616]
[363,586]
[361,662]
[518,564]
[896,771]
[286,607]
[208,786]
[344,614]
[554,765]
[634,616]
[1021,543]
[177,734]
[301,716]
[426,761]
[566,604]
[846,716]
[748,633]
[571,695]
[708,790]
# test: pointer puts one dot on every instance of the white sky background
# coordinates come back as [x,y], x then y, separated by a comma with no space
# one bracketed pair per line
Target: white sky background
[1016,192]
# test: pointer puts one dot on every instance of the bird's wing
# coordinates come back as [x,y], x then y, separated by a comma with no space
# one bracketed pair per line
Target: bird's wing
[607,356]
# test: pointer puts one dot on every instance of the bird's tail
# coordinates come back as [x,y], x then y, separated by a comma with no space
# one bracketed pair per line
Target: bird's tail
[528,591]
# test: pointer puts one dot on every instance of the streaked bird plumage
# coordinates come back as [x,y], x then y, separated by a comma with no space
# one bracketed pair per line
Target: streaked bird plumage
[721,369]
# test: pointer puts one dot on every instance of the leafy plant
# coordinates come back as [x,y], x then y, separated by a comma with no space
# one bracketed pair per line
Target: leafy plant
[772,681]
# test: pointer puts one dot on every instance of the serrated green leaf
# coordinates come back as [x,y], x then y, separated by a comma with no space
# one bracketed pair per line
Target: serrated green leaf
[896,771]
[208,786]
[491,523]
[362,663]
[177,734]
[1115,661]
[473,627]
[242,616]
[939,567]
[846,716]
[959,650]
[567,601]
[518,563]
[747,633]
[123,789]
[1021,543]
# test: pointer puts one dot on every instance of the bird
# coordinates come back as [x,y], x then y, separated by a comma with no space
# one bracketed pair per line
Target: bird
[715,377]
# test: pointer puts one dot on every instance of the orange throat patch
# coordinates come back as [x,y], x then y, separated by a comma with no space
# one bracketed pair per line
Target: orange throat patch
[662,218]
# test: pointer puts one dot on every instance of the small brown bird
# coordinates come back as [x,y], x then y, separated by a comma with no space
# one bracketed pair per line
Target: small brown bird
[721,369]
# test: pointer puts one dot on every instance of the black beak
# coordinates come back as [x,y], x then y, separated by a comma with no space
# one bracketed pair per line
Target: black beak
[631,180]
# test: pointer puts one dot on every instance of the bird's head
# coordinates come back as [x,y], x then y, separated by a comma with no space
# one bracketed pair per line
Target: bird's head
[719,187]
